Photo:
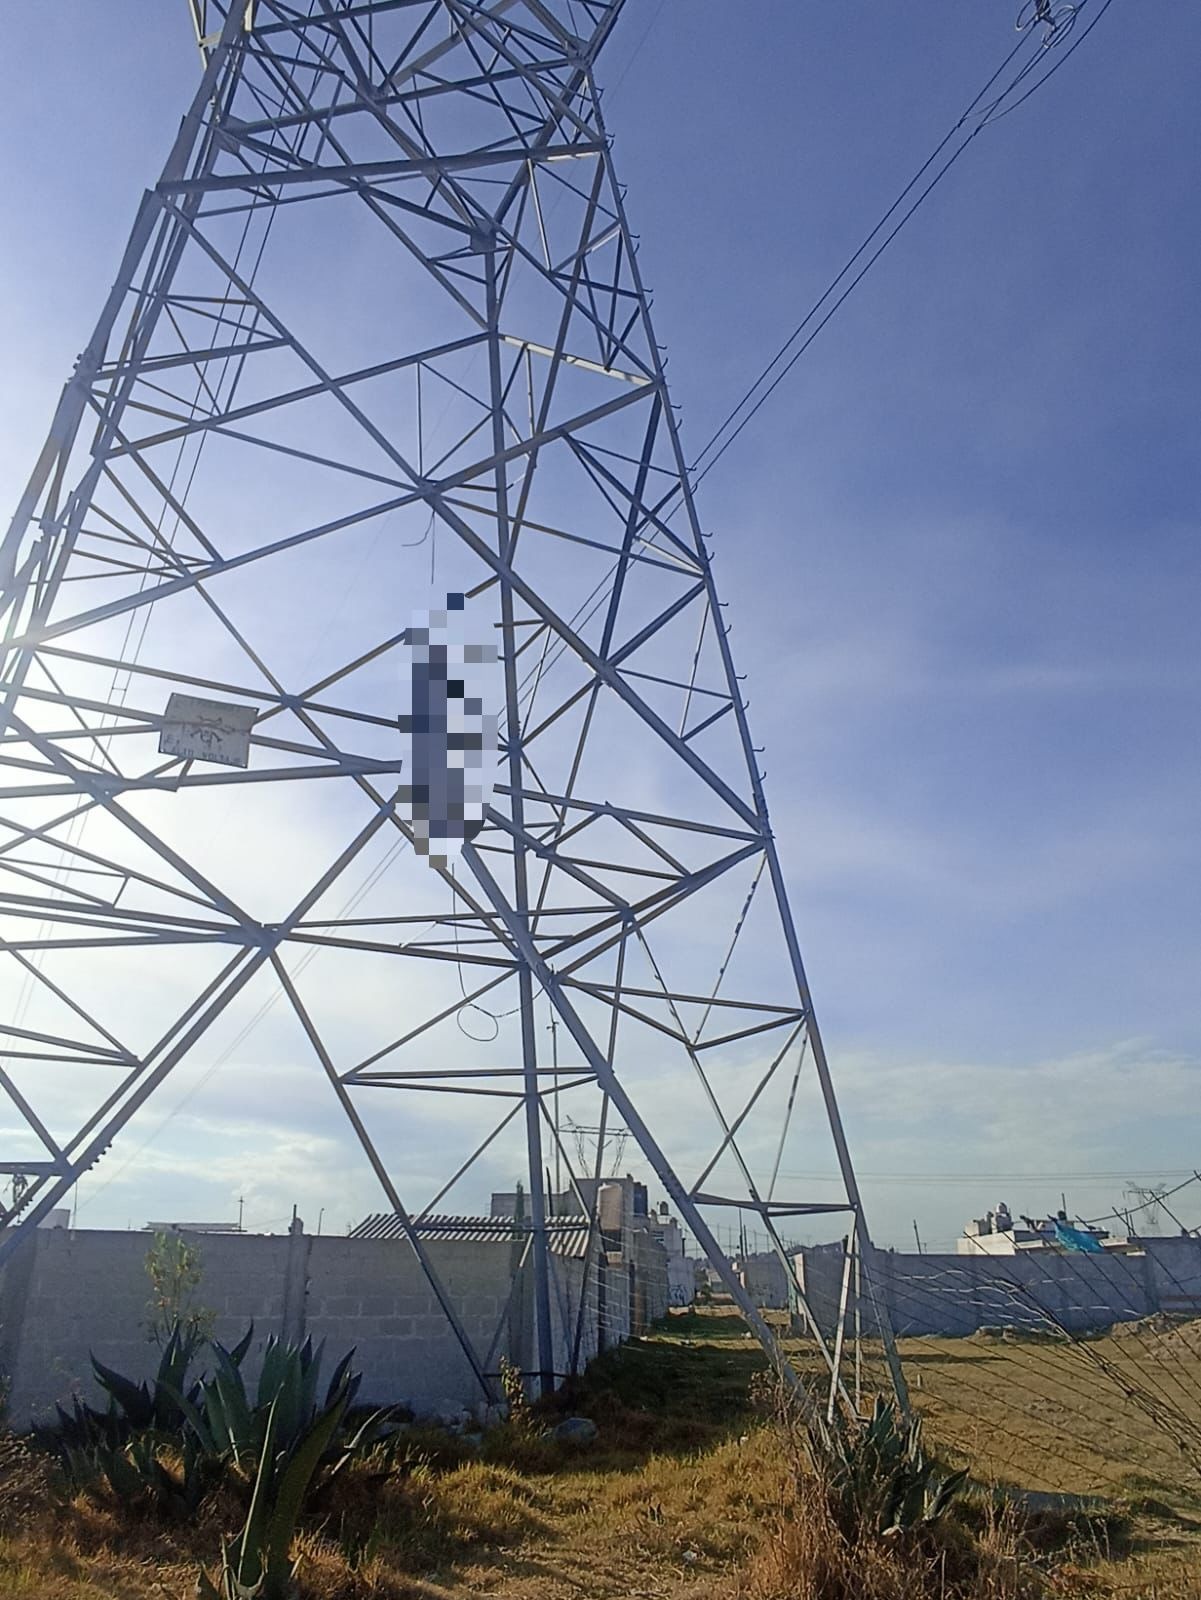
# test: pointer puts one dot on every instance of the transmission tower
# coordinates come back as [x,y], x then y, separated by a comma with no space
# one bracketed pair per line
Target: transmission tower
[378,346]
[1146,1204]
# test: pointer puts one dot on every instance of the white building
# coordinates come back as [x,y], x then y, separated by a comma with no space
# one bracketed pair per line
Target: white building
[1000,1234]
[681,1272]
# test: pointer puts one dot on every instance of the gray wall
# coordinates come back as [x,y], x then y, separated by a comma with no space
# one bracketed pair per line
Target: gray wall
[66,1295]
[955,1295]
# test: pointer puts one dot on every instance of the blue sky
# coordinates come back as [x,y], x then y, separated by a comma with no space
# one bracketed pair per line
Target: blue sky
[959,545]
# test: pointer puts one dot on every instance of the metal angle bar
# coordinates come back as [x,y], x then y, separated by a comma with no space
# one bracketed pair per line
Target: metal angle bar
[171,501]
[69,412]
[104,755]
[179,1038]
[514,1286]
[311,391]
[113,1100]
[471,1160]
[83,781]
[640,558]
[782,1013]
[31,1117]
[75,850]
[591,1254]
[194,780]
[187,357]
[709,721]
[381,1081]
[381,1172]
[840,1329]
[544,852]
[833,1116]
[506,537]
[672,683]
[422,952]
[59,1059]
[14,1236]
[743,1033]
[623,869]
[764,1080]
[116,942]
[216,427]
[441,1016]
[73,1005]
[649,514]
[678,868]
[630,1011]
[652,818]
[649,1146]
[710,1093]
[282,702]
[92,1052]
[430,167]
[665,900]
[466,919]
[436,1074]
[762,1209]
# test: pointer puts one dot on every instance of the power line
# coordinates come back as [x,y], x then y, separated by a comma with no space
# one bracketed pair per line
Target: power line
[991,113]
[1185,1173]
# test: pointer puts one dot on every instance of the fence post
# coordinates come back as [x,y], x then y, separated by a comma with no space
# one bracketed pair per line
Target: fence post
[296,1284]
[15,1277]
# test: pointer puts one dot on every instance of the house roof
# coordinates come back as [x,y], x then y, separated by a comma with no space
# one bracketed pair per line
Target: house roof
[567,1237]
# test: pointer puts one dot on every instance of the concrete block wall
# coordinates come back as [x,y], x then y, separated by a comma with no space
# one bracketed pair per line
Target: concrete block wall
[66,1295]
[650,1284]
[765,1280]
[1174,1274]
[953,1295]
[373,1295]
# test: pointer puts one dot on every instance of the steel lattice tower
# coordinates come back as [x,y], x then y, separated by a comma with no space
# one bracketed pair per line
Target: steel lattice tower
[379,332]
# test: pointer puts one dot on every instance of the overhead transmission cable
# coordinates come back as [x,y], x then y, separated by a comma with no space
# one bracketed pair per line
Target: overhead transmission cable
[988,113]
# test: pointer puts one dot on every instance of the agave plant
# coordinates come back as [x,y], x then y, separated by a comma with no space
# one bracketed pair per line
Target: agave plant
[121,1446]
[257,1564]
[879,1476]
[141,1407]
[230,1423]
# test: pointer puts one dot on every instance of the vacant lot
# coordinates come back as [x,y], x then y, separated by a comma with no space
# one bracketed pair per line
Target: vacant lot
[681,1496]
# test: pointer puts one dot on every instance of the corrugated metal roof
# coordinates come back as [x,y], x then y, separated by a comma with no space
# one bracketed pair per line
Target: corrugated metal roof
[567,1238]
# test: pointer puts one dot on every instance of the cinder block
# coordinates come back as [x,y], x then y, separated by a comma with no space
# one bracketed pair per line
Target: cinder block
[398,1327]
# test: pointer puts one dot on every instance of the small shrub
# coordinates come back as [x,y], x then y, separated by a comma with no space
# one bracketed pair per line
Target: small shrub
[175,1267]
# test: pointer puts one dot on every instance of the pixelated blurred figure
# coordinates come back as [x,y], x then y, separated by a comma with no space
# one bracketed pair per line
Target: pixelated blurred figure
[452,740]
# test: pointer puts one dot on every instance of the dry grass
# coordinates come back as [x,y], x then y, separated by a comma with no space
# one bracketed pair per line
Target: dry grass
[809,1558]
[1047,1417]
[688,1494]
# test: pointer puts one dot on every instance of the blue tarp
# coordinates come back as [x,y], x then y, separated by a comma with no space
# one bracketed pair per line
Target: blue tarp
[1076,1239]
